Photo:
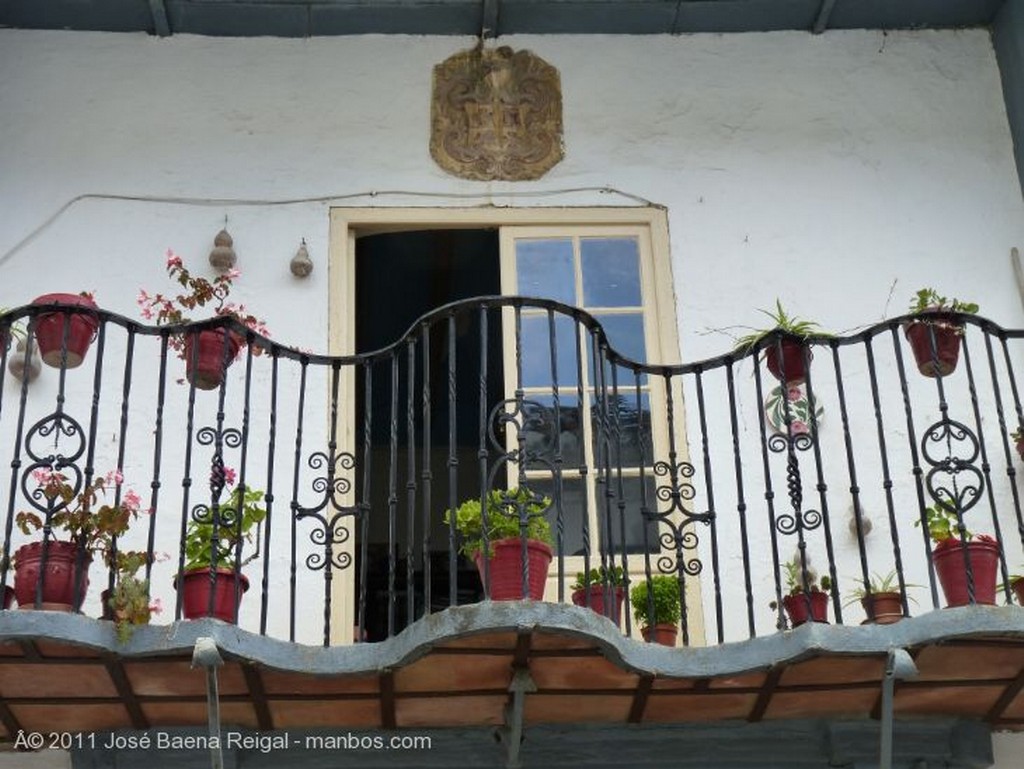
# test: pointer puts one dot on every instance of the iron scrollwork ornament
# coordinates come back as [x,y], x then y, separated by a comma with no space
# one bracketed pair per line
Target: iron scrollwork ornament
[951,449]
[329,512]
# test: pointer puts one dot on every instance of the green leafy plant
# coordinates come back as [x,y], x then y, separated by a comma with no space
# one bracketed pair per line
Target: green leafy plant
[664,590]
[600,576]
[129,604]
[784,322]
[86,521]
[797,582]
[929,300]
[238,515]
[943,527]
[503,518]
[199,293]
[888,583]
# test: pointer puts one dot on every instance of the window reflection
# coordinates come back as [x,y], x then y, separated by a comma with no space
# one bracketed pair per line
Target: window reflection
[611,272]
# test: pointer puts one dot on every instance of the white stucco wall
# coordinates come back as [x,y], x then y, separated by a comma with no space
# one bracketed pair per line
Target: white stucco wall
[838,172]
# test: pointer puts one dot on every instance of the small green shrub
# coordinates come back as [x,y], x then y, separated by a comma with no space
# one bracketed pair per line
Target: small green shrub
[503,518]
[665,592]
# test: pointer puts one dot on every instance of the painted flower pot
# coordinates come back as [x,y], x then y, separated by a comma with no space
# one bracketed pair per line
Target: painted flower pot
[58,579]
[506,569]
[664,633]
[947,344]
[195,587]
[951,568]
[797,607]
[790,363]
[208,355]
[882,608]
[52,329]
[596,602]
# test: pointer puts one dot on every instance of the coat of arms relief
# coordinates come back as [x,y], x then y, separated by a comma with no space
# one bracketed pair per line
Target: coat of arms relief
[496,114]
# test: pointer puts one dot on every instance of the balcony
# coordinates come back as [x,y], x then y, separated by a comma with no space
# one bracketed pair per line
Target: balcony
[352,587]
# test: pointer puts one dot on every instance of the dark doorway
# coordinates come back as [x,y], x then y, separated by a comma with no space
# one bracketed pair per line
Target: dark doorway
[399,278]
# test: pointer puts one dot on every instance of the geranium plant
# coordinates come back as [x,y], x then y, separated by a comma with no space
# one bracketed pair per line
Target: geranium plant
[207,353]
[90,523]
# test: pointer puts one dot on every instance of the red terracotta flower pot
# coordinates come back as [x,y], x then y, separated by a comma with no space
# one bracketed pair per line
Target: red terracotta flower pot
[797,609]
[663,633]
[208,355]
[50,330]
[195,587]
[506,569]
[951,568]
[882,608]
[947,344]
[596,600]
[792,360]
[58,579]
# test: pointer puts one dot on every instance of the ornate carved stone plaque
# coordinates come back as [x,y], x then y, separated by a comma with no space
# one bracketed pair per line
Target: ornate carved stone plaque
[496,114]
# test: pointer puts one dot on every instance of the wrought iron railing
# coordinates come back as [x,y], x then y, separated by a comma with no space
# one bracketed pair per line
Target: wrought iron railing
[713,474]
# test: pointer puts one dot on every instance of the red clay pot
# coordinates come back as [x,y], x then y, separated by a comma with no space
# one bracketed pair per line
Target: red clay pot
[596,601]
[947,344]
[882,608]
[506,568]
[208,355]
[796,607]
[49,330]
[194,585]
[58,579]
[663,633]
[792,361]
[951,569]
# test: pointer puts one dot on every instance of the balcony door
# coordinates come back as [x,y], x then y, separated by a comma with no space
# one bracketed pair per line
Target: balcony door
[612,263]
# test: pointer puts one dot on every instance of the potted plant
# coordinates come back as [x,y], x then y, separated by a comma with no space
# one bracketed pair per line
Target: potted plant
[788,357]
[881,598]
[129,603]
[1018,441]
[211,581]
[936,325]
[209,352]
[806,598]
[1017,586]
[508,514]
[948,558]
[90,528]
[64,337]
[590,589]
[663,597]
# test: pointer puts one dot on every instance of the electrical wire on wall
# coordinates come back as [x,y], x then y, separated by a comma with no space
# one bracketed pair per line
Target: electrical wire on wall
[248,202]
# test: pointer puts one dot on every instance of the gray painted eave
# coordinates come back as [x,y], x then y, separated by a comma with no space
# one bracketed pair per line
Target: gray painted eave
[306,18]
[515,616]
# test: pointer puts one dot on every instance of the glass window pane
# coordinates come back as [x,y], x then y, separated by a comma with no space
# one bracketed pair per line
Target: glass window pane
[536,351]
[545,433]
[627,439]
[611,272]
[625,334]
[544,268]
[573,508]
[625,521]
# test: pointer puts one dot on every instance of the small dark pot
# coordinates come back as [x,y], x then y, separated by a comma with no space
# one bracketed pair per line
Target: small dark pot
[797,609]
[208,355]
[596,601]
[58,579]
[50,328]
[1018,589]
[195,586]
[506,569]
[947,344]
[882,608]
[664,633]
[792,360]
